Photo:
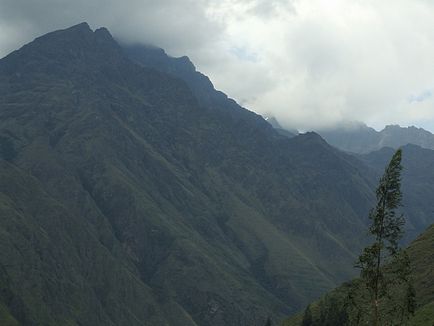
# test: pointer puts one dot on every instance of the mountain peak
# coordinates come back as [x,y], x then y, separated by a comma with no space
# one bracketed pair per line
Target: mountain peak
[273,122]
[81,30]
[366,139]
[313,138]
[72,47]
[103,33]
[152,56]
[84,26]
[393,127]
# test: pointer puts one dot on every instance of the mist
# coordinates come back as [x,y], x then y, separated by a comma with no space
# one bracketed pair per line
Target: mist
[309,63]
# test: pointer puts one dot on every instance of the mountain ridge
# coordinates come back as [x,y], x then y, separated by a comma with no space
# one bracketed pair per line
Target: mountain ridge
[356,137]
[362,139]
[195,211]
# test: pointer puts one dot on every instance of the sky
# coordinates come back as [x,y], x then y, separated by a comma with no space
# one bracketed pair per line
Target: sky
[312,64]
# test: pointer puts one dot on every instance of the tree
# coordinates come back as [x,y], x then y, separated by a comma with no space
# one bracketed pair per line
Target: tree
[307,317]
[268,322]
[385,291]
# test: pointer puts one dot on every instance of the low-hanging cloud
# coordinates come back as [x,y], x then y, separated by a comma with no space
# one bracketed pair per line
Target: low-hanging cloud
[310,63]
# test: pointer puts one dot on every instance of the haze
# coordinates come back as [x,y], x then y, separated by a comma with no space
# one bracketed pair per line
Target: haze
[309,63]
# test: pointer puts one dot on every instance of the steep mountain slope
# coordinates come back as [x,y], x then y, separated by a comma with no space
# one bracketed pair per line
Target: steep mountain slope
[421,253]
[130,197]
[201,86]
[183,68]
[417,183]
[359,138]
[417,190]
[285,132]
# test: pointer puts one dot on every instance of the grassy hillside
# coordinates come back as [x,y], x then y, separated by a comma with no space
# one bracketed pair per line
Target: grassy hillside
[421,253]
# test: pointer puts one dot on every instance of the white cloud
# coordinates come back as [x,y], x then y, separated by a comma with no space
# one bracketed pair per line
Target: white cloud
[310,63]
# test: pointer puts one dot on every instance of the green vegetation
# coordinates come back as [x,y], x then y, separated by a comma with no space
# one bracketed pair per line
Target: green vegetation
[133,199]
[421,254]
[6,319]
[417,185]
[384,293]
[128,203]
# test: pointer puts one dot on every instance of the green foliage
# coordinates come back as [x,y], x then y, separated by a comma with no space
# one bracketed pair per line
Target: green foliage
[402,298]
[385,293]
[424,316]
[422,260]
[421,254]
[6,318]
[333,312]
[417,185]
[307,317]
[332,309]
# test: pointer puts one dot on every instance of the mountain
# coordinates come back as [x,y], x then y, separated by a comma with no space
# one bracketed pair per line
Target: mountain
[421,253]
[273,122]
[285,132]
[417,183]
[134,193]
[183,68]
[359,138]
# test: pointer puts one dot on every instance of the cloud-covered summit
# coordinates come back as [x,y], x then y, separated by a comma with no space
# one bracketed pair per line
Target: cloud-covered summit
[310,63]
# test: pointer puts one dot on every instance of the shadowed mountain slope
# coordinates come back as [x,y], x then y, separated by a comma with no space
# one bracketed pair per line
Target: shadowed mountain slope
[129,197]
[417,184]
[421,253]
[418,161]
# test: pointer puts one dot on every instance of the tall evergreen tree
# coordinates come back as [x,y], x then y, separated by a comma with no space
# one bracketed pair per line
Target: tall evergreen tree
[385,268]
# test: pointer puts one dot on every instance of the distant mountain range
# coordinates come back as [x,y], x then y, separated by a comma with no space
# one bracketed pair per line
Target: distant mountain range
[134,193]
[359,138]
[418,161]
